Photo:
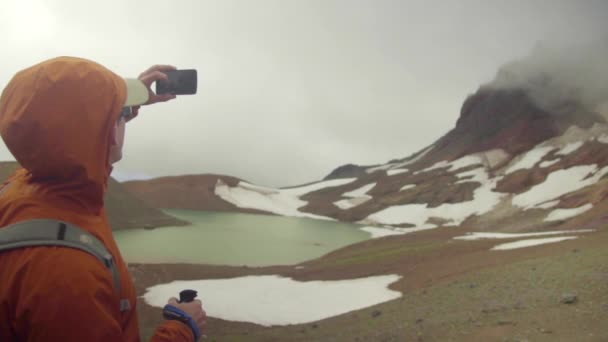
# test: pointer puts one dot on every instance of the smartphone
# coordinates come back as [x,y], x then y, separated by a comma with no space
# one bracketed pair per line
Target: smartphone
[180,82]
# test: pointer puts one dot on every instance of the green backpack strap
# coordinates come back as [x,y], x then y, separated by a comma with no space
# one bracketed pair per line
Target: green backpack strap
[49,232]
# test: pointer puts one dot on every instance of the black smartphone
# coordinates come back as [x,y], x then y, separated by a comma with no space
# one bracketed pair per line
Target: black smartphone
[180,82]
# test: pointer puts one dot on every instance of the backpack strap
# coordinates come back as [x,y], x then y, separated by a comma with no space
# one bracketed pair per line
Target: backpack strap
[48,232]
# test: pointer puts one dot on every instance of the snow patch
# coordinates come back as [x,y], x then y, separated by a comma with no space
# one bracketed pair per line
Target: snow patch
[274,300]
[603,139]
[280,202]
[396,171]
[362,191]
[558,183]
[547,205]
[486,235]
[548,163]
[529,159]
[563,214]
[455,164]
[529,243]
[351,202]
[378,232]
[407,186]
[484,200]
[494,157]
[358,196]
[569,148]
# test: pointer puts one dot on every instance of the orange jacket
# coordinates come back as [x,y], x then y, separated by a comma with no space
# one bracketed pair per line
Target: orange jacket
[56,119]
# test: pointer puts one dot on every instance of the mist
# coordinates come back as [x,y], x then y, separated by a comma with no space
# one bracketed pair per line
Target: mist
[558,73]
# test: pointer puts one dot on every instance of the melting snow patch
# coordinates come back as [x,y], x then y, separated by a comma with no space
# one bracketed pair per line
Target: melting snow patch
[455,164]
[547,205]
[484,200]
[559,183]
[530,242]
[351,202]
[548,163]
[362,191]
[571,147]
[273,300]
[378,232]
[529,159]
[603,139]
[562,214]
[277,201]
[407,186]
[379,168]
[358,197]
[396,171]
[484,235]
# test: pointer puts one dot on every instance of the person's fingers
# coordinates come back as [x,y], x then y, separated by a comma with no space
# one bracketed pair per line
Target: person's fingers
[161,98]
[158,67]
[197,302]
[172,301]
[151,77]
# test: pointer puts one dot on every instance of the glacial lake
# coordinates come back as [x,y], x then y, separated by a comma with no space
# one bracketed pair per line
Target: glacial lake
[237,239]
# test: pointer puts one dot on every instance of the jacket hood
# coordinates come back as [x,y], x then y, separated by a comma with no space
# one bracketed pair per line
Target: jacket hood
[56,118]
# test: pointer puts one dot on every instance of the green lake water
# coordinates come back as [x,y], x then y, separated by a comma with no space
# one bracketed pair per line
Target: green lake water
[237,239]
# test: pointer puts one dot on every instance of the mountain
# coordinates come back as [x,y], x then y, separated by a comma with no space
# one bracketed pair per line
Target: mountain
[124,210]
[529,150]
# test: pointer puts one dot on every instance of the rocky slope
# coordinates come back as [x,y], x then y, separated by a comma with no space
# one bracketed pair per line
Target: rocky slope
[191,192]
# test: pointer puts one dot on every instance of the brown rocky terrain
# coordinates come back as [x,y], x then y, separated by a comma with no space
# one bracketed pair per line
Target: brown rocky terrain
[192,192]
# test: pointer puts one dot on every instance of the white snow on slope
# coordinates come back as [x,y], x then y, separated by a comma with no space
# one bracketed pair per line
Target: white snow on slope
[603,139]
[378,232]
[569,148]
[455,164]
[303,190]
[357,197]
[394,172]
[558,183]
[348,203]
[273,300]
[530,242]
[486,235]
[484,199]
[407,186]
[362,191]
[547,205]
[278,201]
[548,163]
[379,168]
[563,214]
[529,159]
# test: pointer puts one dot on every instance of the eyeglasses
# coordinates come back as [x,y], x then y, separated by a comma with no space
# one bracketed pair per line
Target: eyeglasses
[127,113]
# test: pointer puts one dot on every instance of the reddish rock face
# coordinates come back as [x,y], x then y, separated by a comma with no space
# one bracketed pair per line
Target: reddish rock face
[505,119]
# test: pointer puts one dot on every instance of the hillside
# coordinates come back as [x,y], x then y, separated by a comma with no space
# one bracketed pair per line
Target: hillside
[124,210]
[191,192]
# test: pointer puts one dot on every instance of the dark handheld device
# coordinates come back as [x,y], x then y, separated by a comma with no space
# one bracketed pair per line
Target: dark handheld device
[187,296]
[180,82]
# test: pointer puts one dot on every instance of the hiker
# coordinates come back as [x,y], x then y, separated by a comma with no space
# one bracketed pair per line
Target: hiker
[64,120]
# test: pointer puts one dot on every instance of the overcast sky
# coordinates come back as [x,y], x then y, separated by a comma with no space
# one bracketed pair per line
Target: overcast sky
[291,89]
